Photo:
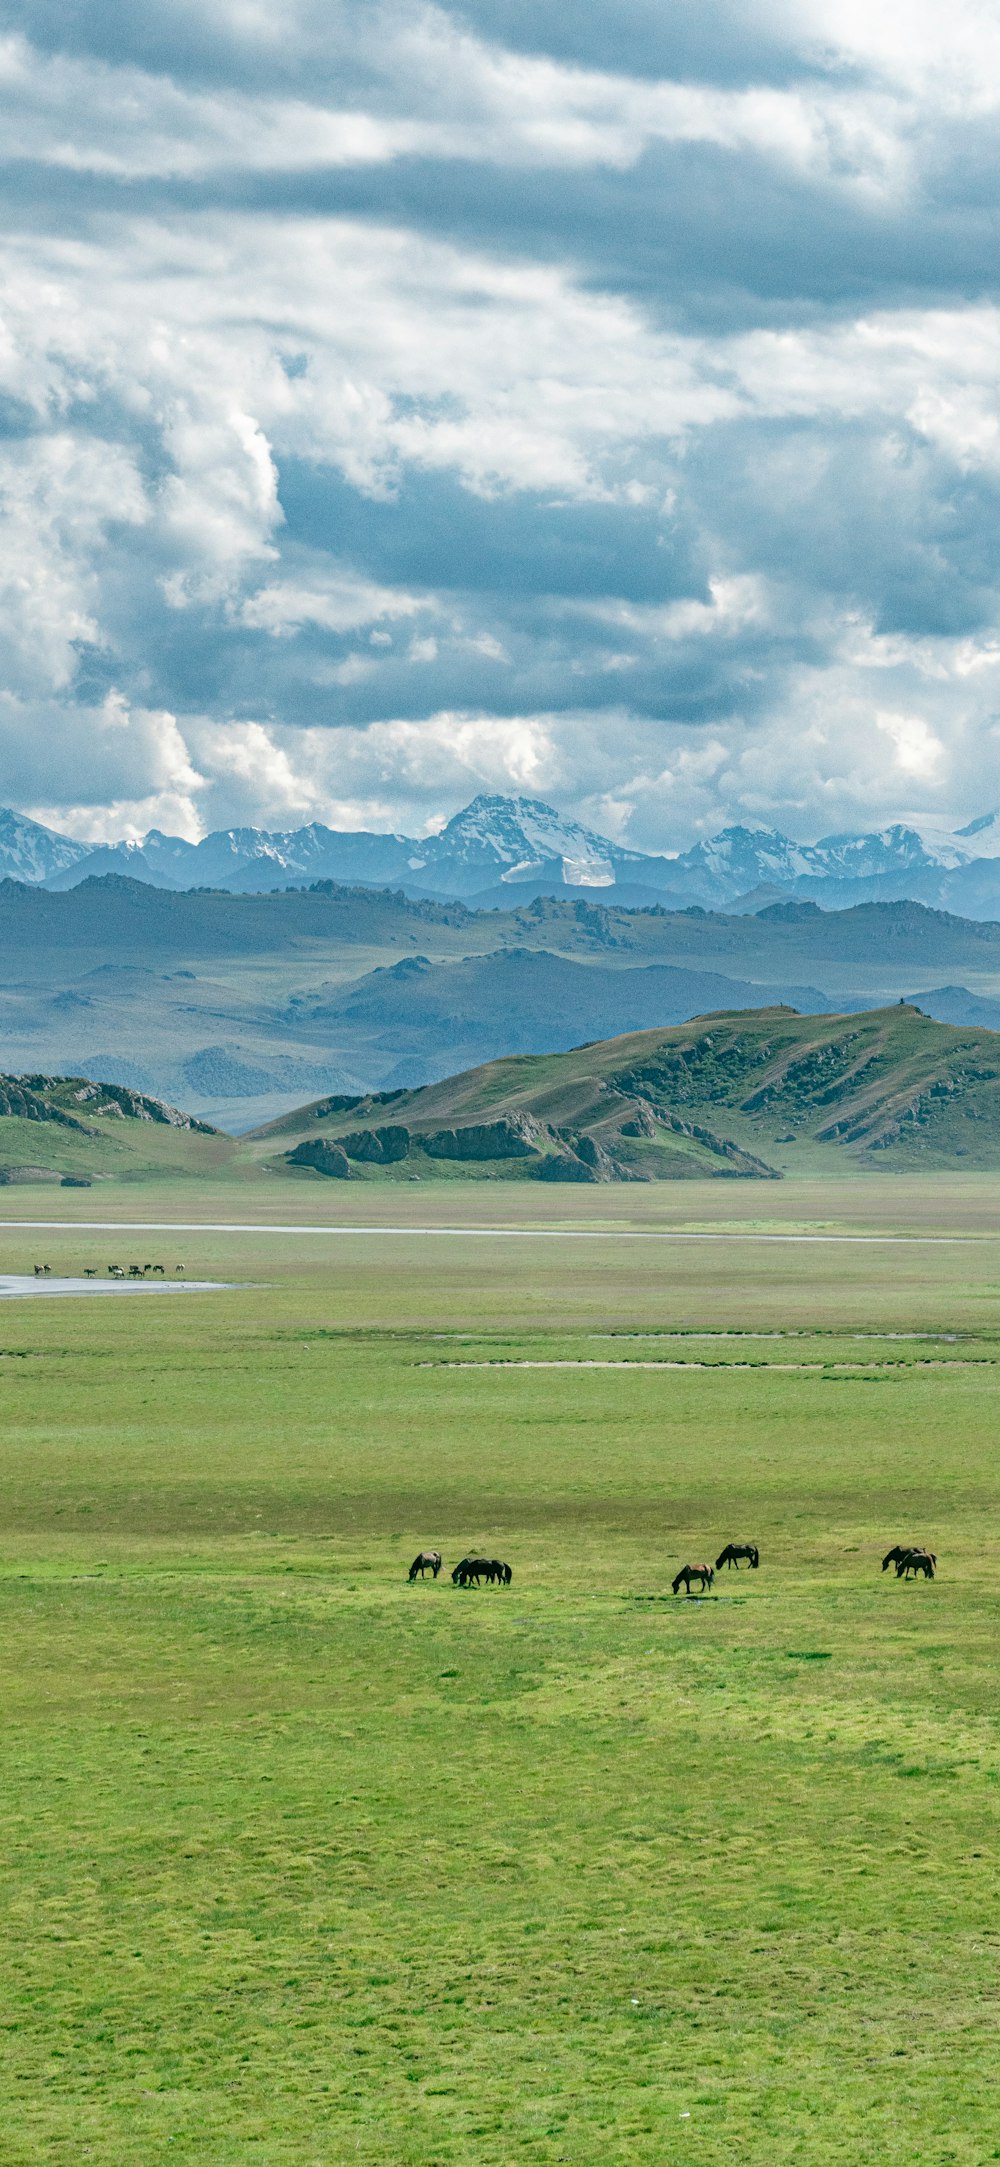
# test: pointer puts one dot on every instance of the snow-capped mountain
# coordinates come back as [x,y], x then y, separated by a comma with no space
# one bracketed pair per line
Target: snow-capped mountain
[515,840]
[32,853]
[739,860]
[519,846]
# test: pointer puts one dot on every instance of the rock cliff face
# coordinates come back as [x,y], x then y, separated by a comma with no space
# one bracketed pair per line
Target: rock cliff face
[322,1157]
[518,1137]
[377,1147]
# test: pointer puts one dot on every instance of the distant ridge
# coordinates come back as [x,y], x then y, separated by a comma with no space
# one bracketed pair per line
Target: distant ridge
[520,846]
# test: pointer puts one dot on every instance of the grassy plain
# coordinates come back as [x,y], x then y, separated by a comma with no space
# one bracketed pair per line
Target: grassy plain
[303,1866]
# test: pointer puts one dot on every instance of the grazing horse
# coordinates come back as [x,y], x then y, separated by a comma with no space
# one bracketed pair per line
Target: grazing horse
[704,1573]
[504,1574]
[916,1561]
[901,1550]
[734,1551]
[423,1560]
[470,1571]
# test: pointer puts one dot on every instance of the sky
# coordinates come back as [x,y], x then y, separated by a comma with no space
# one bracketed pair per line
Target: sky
[401,401]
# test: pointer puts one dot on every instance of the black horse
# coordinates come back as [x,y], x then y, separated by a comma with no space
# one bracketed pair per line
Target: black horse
[469,1572]
[704,1573]
[916,1561]
[734,1551]
[423,1560]
[901,1550]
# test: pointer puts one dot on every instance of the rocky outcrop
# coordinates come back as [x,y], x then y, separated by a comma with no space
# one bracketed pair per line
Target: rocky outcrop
[377,1147]
[642,1122]
[518,1137]
[21,1096]
[108,1098]
[322,1157]
[565,1166]
[742,1162]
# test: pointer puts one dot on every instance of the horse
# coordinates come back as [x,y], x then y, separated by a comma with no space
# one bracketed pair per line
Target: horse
[901,1550]
[423,1559]
[90,1271]
[470,1571]
[704,1573]
[734,1551]
[916,1561]
[503,1573]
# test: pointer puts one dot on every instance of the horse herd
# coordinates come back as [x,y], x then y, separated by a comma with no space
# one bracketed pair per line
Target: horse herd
[471,1572]
[115,1271]
[468,1573]
[906,1557]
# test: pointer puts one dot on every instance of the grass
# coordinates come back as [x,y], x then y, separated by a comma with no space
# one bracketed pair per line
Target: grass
[299,1864]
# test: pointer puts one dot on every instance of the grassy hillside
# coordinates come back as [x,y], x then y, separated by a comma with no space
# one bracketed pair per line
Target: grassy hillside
[65,1129]
[243,1006]
[752,1093]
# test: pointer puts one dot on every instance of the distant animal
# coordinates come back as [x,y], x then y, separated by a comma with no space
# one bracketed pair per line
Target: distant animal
[704,1573]
[903,1550]
[178,1267]
[90,1271]
[426,1560]
[135,1271]
[916,1561]
[470,1571]
[502,1572]
[734,1551]
[116,1271]
[40,1270]
[157,1268]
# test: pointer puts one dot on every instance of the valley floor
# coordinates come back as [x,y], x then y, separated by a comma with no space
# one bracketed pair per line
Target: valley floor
[300,1863]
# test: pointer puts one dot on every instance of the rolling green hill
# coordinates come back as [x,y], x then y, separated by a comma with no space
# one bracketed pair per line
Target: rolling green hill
[67,1129]
[753,1093]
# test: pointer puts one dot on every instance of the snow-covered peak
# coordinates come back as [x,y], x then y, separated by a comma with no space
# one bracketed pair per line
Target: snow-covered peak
[512,838]
[981,839]
[32,853]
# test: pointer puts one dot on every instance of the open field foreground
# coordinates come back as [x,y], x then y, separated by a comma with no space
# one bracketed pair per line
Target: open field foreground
[302,1865]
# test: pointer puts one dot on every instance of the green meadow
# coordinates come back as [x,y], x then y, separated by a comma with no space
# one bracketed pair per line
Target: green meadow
[303,1865]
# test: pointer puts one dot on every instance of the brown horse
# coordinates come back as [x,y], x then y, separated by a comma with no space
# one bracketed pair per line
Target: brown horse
[426,1560]
[734,1551]
[704,1573]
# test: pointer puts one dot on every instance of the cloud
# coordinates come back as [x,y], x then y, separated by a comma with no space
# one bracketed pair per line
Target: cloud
[403,399]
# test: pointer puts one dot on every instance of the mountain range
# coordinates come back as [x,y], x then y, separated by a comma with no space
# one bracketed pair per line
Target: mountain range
[241,1006]
[500,849]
